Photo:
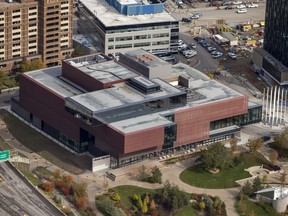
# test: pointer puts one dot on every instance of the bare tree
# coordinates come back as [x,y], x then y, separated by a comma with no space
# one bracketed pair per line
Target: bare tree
[255,145]
[273,156]
[233,144]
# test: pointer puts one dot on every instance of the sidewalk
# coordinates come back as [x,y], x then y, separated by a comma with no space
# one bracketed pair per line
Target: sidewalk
[172,173]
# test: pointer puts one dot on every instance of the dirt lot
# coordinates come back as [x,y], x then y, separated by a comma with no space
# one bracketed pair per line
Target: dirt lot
[242,67]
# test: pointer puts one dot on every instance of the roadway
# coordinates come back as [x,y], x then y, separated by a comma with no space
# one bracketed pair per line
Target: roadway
[19,198]
[5,97]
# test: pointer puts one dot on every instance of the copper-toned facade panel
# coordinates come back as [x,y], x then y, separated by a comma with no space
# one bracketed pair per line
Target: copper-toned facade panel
[144,139]
[194,124]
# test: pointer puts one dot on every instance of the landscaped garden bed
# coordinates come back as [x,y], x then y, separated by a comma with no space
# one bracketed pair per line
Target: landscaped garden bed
[165,201]
[200,177]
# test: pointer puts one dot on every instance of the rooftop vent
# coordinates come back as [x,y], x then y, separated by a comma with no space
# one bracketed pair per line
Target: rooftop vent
[144,85]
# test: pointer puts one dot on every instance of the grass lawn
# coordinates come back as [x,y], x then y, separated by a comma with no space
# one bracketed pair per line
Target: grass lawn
[245,207]
[187,211]
[24,169]
[42,171]
[198,177]
[45,147]
[4,145]
[127,191]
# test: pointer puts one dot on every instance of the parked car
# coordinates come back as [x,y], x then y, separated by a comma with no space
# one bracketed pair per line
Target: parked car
[180,42]
[189,52]
[227,3]
[241,6]
[198,14]
[194,17]
[214,52]
[183,50]
[252,5]
[214,4]
[190,55]
[185,19]
[179,2]
[230,7]
[182,46]
[237,2]
[205,44]
[232,55]
[218,55]
[193,46]
[241,11]
[210,49]
[198,39]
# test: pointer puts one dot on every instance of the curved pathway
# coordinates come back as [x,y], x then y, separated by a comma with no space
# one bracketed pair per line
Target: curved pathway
[172,173]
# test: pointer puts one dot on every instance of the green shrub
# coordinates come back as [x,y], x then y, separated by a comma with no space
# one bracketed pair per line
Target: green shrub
[107,207]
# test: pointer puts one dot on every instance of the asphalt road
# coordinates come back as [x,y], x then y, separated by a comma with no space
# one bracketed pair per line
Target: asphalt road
[5,97]
[19,198]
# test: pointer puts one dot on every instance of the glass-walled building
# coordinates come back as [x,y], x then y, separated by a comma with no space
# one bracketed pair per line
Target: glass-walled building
[276,30]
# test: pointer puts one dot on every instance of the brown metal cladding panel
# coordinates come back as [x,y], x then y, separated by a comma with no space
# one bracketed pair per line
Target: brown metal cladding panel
[47,106]
[194,124]
[80,78]
[144,139]
[114,140]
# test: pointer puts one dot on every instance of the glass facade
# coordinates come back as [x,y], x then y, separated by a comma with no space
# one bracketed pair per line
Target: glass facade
[136,159]
[72,144]
[276,30]
[254,115]
[169,136]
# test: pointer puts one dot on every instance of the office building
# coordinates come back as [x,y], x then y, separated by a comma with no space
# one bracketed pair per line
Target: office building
[276,30]
[271,62]
[34,30]
[122,26]
[94,104]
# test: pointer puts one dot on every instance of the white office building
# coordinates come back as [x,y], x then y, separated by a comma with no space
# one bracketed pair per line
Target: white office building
[122,26]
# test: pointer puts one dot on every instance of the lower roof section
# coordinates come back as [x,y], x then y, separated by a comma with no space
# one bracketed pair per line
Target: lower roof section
[51,79]
[141,123]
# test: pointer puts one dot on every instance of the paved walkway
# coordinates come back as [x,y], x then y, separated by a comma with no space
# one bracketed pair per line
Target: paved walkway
[172,173]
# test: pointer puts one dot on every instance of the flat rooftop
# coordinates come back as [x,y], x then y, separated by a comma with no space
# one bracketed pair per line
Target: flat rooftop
[120,95]
[108,71]
[109,16]
[102,69]
[145,58]
[275,62]
[123,106]
[51,79]
[229,36]
[208,90]
[211,91]
[141,123]
[10,5]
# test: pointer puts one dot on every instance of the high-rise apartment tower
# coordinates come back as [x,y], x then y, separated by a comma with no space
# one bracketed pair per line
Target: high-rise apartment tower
[34,30]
